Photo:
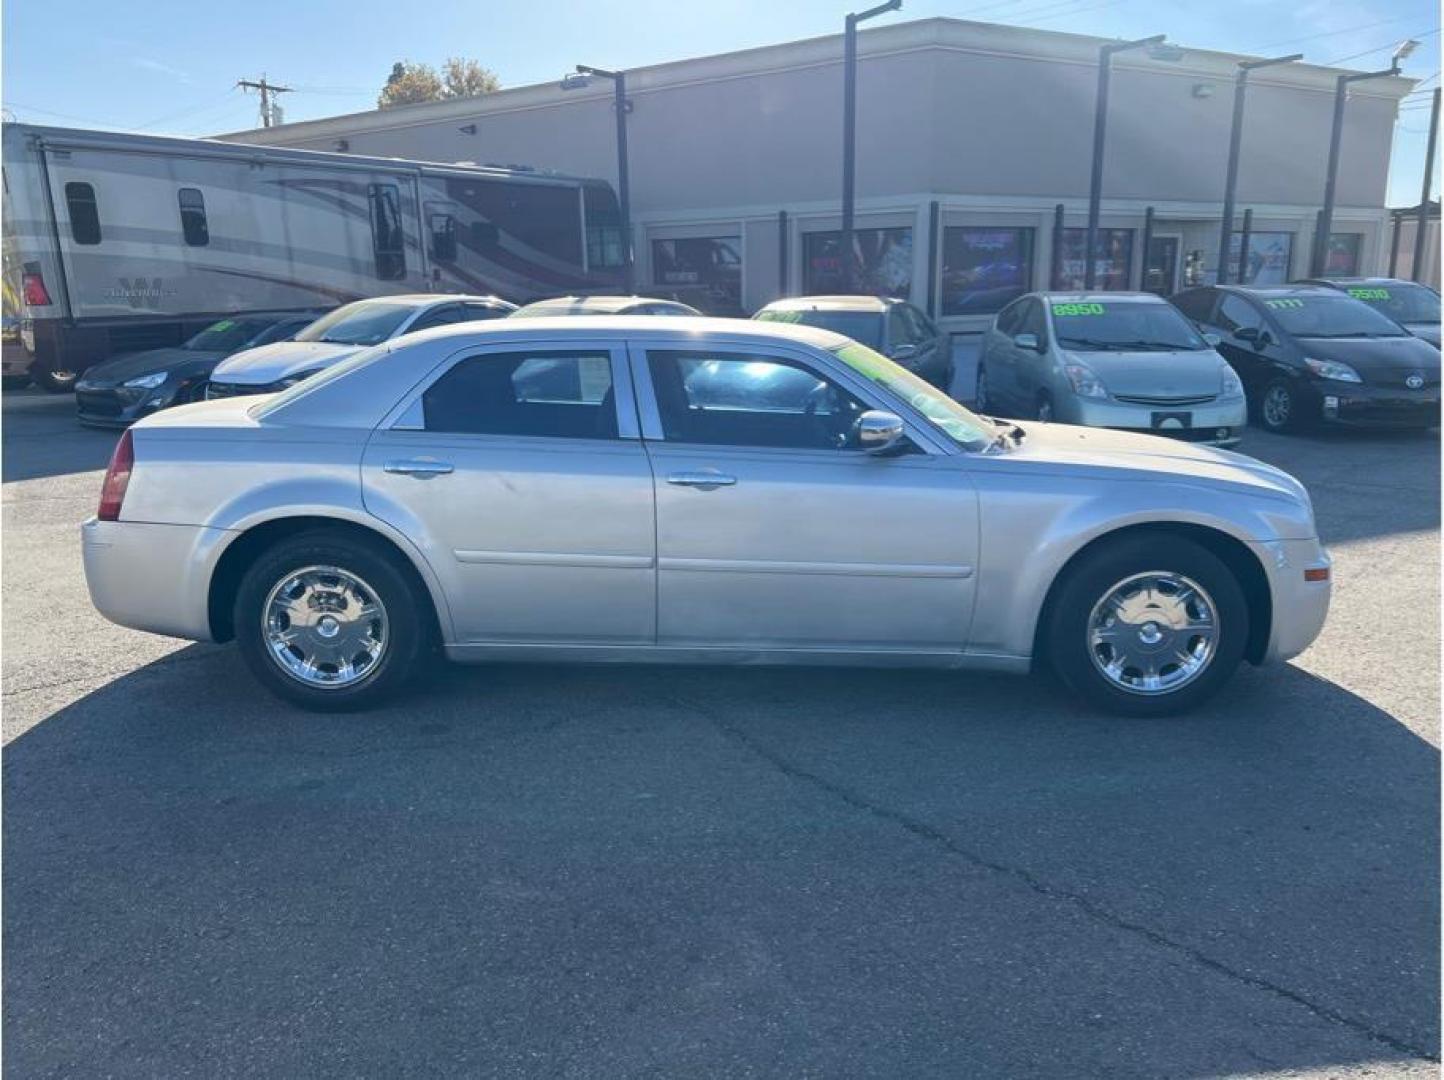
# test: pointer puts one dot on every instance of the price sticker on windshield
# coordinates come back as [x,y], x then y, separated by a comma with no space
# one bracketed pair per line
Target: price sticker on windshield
[1284,305]
[1369,294]
[1079,309]
[224,324]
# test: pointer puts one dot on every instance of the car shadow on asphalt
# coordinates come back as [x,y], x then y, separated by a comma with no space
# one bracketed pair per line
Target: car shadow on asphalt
[626,870]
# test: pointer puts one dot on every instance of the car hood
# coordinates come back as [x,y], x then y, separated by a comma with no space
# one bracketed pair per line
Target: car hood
[133,365]
[1185,373]
[1428,331]
[1377,358]
[1120,453]
[266,364]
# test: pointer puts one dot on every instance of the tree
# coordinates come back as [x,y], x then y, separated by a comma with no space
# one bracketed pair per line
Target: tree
[409,83]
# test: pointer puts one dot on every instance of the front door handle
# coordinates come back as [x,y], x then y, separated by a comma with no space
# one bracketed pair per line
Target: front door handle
[704,481]
[419,467]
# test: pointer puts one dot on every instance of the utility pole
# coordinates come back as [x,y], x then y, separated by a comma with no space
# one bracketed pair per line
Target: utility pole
[849,136]
[266,89]
[1423,219]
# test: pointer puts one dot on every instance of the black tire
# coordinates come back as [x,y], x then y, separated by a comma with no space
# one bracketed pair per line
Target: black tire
[1279,409]
[14,382]
[54,382]
[407,632]
[1066,636]
[1043,411]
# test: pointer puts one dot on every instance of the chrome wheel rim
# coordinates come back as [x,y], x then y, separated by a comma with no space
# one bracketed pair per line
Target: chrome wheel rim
[1276,406]
[325,627]
[1153,633]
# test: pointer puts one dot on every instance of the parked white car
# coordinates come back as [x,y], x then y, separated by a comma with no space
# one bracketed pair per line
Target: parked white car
[691,490]
[341,333]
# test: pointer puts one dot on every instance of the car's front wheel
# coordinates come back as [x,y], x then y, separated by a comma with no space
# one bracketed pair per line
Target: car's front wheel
[1279,408]
[1150,625]
[329,621]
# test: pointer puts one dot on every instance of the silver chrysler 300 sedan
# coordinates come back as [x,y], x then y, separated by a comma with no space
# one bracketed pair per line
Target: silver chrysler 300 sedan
[1119,360]
[697,490]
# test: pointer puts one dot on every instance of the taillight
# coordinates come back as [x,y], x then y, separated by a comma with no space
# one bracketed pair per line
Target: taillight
[117,479]
[34,287]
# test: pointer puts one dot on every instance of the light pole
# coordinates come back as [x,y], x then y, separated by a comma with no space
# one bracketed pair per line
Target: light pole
[849,132]
[624,191]
[1235,137]
[1423,218]
[1319,256]
[1100,123]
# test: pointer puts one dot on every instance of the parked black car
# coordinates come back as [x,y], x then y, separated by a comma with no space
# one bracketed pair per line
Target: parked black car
[1308,354]
[893,327]
[1413,306]
[120,391]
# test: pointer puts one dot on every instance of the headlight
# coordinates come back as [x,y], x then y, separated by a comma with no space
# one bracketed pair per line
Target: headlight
[1231,386]
[1085,383]
[1332,369]
[146,382]
[300,376]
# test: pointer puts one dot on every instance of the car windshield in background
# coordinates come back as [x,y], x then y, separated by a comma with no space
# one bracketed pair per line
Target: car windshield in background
[861,326]
[227,335]
[1402,303]
[1329,316]
[966,428]
[367,323]
[1115,326]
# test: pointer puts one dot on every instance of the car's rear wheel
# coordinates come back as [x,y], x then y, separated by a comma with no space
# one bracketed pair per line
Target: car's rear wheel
[329,621]
[1147,626]
[56,382]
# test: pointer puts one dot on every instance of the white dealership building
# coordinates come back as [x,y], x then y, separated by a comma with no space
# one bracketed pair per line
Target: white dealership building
[970,137]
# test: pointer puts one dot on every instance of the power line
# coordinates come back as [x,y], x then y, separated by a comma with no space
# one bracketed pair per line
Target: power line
[1379,48]
[270,112]
[1077,11]
[1330,33]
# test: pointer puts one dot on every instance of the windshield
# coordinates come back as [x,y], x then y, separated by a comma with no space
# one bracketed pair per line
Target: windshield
[1329,315]
[228,335]
[862,326]
[1124,327]
[1402,303]
[366,322]
[963,427]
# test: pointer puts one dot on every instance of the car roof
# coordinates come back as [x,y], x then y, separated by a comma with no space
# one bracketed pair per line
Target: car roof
[565,304]
[833,303]
[1334,283]
[1292,289]
[637,326]
[1098,297]
[424,299]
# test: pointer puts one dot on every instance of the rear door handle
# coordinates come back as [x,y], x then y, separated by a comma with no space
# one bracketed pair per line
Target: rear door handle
[705,481]
[419,467]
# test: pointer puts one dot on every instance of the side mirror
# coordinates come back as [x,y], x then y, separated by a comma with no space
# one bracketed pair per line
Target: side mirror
[904,352]
[1252,334]
[1212,340]
[1027,341]
[879,432]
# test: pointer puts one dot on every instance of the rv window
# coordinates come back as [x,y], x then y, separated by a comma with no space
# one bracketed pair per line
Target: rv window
[443,237]
[193,217]
[387,239]
[84,214]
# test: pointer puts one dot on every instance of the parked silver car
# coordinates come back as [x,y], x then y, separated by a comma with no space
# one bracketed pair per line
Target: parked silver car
[1117,360]
[690,490]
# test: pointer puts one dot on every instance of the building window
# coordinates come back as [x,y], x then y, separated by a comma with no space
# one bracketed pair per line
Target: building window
[705,272]
[84,213]
[1343,256]
[193,217]
[387,239]
[1111,263]
[883,258]
[1270,258]
[984,270]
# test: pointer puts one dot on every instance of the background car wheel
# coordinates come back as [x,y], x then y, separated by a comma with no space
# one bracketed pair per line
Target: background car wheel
[329,621]
[1278,407]
[56,382]
[1045,409]
[980,391]
[1150,625]
[14,382]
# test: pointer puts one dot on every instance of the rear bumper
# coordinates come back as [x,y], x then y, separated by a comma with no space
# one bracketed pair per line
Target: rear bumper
[152,577]
[1218,423]
[1299,605]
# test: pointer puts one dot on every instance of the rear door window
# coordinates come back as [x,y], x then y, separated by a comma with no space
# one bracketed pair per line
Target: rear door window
[551,394]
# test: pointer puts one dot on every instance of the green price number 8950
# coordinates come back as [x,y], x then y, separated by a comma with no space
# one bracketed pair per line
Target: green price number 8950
[1078,309]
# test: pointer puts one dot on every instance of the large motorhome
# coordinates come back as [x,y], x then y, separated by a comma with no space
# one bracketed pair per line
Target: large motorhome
[117,242]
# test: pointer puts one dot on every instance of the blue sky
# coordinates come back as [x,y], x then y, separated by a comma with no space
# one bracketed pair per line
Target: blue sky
[170,66]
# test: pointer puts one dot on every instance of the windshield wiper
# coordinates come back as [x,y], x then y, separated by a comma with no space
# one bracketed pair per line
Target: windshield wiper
[1087,343]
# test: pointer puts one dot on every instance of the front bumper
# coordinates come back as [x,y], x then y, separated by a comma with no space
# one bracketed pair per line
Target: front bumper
[152,577]
[121,406]
[1361,405]
[1299,605]
[1216,423]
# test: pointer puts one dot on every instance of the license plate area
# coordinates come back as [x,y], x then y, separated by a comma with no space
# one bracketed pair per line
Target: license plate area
[1172,421]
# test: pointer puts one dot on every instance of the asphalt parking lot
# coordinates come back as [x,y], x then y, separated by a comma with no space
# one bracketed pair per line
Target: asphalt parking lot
[572,871]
